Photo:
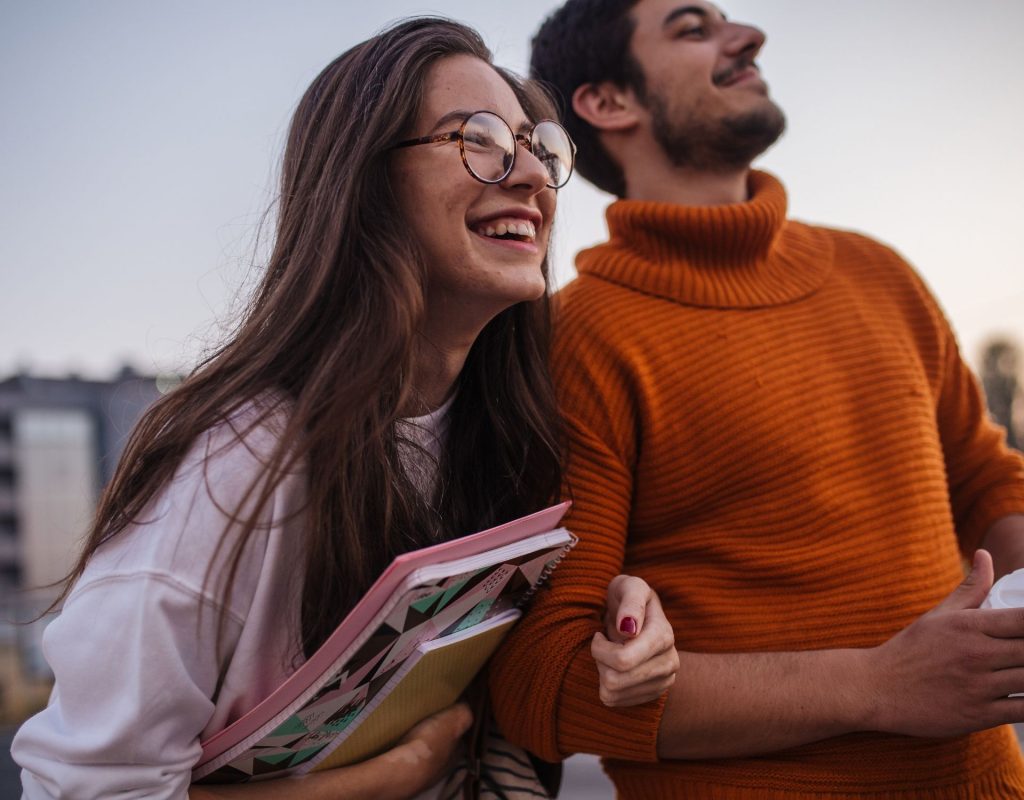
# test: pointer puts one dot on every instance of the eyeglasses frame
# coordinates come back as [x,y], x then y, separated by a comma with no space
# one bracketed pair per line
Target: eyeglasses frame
[523,139]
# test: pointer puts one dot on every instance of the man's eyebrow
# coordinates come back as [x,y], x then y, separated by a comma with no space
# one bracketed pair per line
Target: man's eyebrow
[676,13]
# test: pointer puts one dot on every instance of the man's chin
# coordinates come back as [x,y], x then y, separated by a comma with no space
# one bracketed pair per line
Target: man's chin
[749,135]
[727,142]
[763,116]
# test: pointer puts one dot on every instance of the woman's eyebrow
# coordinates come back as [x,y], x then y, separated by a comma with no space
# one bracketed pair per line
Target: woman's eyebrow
[458,115]
[461,115]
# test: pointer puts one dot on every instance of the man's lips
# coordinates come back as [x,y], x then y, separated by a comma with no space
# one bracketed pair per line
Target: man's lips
[737,74]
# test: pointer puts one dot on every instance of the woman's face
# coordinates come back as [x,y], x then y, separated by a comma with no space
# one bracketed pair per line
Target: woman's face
[472,275]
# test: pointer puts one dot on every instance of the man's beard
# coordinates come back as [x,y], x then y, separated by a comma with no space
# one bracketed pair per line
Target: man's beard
[719,145]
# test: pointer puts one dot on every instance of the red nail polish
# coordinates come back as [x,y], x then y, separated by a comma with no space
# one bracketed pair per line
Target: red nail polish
[628,626]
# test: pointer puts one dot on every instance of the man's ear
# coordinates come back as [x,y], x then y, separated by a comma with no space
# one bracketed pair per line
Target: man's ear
[606,106]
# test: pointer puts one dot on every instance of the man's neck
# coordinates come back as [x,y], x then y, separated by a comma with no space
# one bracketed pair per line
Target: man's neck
[688,187]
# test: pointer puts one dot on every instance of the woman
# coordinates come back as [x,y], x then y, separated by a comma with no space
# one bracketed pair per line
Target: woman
[386,389]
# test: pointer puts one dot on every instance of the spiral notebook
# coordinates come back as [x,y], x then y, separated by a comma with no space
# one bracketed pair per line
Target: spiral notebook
[434,616]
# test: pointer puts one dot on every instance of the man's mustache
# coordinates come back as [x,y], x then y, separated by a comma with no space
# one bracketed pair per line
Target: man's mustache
[728,73]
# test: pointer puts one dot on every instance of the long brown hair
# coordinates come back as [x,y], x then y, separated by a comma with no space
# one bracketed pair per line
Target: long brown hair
[331,332]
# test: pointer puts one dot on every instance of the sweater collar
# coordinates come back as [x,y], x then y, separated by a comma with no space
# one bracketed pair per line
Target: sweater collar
[743,255]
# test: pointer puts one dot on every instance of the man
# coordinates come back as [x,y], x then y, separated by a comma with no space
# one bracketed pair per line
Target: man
[771,423]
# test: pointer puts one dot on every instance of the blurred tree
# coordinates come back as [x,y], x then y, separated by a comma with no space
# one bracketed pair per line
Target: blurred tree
[1000,378]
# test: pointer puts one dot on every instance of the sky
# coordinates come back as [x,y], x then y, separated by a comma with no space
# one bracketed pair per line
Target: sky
[139,145]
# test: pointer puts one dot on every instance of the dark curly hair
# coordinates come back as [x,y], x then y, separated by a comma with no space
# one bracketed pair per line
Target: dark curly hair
[587,41]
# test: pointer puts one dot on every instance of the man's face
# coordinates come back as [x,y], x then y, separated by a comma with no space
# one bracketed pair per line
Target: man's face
[709,108]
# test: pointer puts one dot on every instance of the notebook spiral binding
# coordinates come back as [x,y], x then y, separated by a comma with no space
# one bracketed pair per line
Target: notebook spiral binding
[526,598]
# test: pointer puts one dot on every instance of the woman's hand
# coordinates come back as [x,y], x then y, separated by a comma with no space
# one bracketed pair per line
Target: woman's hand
[423,756]
[636,657]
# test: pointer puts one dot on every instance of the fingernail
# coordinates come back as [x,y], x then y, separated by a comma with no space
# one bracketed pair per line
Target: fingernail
[628,626]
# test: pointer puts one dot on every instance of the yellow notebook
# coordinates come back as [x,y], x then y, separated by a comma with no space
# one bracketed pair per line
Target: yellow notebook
[430,680]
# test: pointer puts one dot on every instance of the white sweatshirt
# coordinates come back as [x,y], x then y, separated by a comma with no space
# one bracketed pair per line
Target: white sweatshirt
[139,681]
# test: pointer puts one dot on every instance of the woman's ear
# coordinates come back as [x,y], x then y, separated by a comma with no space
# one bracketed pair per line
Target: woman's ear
[606,106]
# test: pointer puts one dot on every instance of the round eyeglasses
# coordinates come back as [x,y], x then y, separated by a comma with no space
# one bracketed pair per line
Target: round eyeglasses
[488,147]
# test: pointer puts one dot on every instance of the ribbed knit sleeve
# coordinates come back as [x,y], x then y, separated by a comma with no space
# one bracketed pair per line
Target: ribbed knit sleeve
[544,681]
[986,478]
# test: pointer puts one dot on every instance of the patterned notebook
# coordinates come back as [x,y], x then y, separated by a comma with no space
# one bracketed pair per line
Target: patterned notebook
[456,587]
[432,678]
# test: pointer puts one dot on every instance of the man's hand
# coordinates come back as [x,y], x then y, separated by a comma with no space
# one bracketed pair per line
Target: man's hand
[636,658]
[951,671]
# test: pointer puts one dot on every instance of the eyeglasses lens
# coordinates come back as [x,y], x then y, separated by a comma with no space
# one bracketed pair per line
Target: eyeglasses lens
[489,146]
[552,147]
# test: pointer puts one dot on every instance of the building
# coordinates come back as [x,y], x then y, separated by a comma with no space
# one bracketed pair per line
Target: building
[60,439]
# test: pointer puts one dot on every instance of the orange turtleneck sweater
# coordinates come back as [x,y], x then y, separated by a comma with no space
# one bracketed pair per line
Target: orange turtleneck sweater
[770,423]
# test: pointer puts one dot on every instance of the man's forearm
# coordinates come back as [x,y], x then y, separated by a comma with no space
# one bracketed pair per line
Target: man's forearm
[734,705]
[946,674]
[1005,541]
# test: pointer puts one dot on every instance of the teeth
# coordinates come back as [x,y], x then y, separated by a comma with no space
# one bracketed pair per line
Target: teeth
[517,227]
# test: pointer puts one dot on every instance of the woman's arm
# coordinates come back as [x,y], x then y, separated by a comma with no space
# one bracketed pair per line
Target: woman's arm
[141,668]
[421,759]
[140,660]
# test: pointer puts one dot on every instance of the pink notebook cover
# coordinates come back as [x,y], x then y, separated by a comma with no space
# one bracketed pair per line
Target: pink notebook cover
[365,611]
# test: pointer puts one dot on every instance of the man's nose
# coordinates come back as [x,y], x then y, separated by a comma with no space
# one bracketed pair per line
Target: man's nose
[744,40]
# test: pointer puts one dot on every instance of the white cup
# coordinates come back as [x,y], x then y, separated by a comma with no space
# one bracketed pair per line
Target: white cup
[1008,592]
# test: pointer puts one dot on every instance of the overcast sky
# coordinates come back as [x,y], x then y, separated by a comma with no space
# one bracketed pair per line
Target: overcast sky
[139,144]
